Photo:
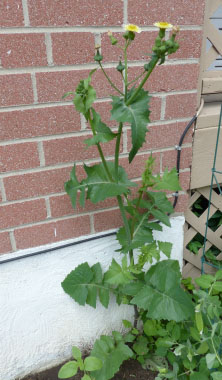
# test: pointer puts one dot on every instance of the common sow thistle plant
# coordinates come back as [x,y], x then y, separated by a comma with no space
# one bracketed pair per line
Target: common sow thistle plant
[156,293]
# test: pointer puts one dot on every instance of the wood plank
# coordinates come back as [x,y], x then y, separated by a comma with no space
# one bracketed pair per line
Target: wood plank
[210,57]
[216,199]
[212,85]
[212,7]
[203,157]
[214,36]
[209,116]
[200,227]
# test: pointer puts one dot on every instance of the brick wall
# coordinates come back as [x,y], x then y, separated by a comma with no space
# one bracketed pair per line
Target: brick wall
[46,47]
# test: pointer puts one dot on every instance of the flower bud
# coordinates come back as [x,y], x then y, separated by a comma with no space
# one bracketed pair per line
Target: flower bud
[98,57]
[120,67]
[113,40]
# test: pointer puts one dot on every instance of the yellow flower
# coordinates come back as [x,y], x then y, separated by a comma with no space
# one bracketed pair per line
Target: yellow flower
[133,28]
[163,25]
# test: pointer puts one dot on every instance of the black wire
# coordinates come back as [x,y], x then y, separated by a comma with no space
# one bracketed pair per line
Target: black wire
[55,248]
[176,196]
[194,118]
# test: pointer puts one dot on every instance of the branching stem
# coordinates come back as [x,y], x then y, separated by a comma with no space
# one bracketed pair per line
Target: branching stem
[109,80]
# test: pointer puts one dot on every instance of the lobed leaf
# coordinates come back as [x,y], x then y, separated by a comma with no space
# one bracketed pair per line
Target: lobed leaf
[111,354]
[137,114]
[162,295]
[83,284]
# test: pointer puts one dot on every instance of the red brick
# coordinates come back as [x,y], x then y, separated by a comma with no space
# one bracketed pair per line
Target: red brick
[5,244]
[163,136]
[102,86]
[190,42]
[137,166]
[184,179]
[178,106]
[169,158]
[52,232]
[170,77]
[181,12]
[107,220]
[104,108]
[78,12]
[52,86]
[38,122]
[155,108]
[18,156]
[73,48]
[138,50]
[61,205]
[34,184]
[73,149]
[182,202]
[22,50]
[11,13]
[22,213]
[15,89]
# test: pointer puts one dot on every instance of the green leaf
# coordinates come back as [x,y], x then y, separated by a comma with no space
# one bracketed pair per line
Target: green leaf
[116,275]
[169,181]
[161,216]
[104,297]
[203,348]
[218,275]
[210,358]
[217,286]
[198,376]
[91,363]
[76,353]
[194,246]
[99,185]
[149,327]
[216,375]
[137,114]
[112,356]
[86,377]
[127,324]
[205,281]
[165,247]
[68,370]
[160,200]
[83,284]
[148,253]
[162,295]
[142,235]
[103,133]
[72,186]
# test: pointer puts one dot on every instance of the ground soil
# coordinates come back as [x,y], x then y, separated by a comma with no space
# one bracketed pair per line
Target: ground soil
[130,370]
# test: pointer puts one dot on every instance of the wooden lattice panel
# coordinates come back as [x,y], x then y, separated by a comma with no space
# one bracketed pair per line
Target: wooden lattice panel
[194,225]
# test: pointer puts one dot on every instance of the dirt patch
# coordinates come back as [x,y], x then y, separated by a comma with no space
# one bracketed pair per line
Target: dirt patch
[130,370]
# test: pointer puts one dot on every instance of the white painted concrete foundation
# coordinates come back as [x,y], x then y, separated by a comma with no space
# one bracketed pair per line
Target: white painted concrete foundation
[39,322]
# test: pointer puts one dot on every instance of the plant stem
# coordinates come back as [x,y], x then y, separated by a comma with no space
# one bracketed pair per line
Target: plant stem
[131,99]
[134,80]
[126,225]
[100,151]
[109,80]
[126,69]
[117,150]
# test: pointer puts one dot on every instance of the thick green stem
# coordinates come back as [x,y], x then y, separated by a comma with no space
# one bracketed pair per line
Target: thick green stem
[126,225]
[100,151]
[109,80]
[117,150]
[131,99]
